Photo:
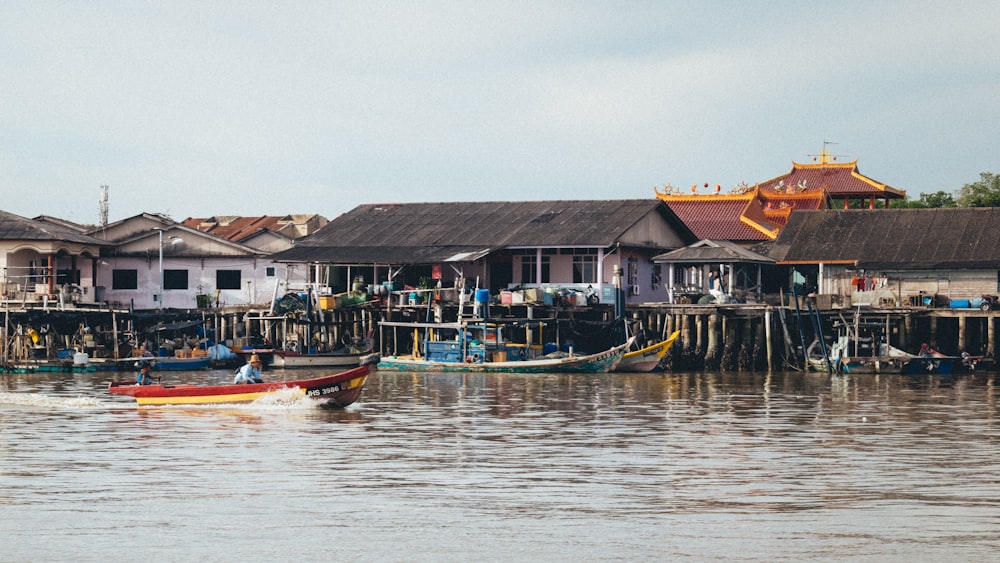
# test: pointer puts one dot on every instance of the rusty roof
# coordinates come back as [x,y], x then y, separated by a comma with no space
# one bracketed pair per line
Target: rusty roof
[238,228]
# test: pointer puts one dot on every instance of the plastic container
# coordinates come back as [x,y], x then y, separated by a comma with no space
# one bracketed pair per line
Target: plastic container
[482,296]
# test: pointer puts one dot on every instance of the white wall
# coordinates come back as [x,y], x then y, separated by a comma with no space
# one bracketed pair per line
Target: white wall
[256,286]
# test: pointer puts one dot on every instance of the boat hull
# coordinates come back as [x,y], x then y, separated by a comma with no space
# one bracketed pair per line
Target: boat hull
[169,363]
[287,359]
[291,360]
[602,362]
[339,390]
[646,359]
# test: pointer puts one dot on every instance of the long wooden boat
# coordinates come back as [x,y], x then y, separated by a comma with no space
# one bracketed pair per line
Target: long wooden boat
[480,345]
[602,362]
[337,390]
[648,358]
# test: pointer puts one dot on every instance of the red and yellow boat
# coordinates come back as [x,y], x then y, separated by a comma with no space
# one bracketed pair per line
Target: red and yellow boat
[337,390]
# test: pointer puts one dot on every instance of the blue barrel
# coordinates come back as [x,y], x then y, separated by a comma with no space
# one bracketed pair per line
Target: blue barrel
[482,296]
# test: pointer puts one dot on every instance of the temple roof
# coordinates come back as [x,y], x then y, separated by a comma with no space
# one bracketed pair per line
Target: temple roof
[758,213]
[838,179]
[778,206]
[735,217]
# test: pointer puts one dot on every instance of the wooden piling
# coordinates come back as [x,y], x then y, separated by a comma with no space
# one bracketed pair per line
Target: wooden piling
[712,351]
[767,339]
[962,335]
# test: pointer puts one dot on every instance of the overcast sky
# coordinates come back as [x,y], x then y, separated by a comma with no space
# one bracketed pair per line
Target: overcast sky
[205,108]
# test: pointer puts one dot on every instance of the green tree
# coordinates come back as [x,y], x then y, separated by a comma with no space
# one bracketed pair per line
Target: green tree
[984,193]
[937,199]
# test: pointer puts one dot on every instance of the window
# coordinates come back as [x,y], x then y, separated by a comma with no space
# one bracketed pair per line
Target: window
[124,279]
[175,279]
[64,277]
[529,269]
[528,264]
[632,270]
[269,271]
[585,269]
[227,279]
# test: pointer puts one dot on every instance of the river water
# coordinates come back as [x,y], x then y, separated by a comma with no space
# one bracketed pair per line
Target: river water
[452,467]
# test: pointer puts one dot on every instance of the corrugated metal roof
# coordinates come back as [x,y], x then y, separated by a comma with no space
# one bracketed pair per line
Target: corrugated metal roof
[712,251]
[416,233]
[238,228]
[912,239]
[379,254]
[15,227]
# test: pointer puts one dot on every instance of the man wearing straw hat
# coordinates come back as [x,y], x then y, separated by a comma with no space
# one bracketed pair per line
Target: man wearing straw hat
[250,373]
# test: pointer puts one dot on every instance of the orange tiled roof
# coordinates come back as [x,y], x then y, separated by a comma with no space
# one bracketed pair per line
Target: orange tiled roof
[735,217]
[759,212]
[839,179]
[778,206]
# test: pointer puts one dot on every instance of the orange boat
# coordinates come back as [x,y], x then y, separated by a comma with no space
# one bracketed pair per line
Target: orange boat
[337,390]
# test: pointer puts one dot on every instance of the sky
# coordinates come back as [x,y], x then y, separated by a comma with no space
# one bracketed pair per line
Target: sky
[197,109]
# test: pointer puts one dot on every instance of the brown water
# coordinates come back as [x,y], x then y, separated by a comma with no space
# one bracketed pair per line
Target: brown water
[425,467]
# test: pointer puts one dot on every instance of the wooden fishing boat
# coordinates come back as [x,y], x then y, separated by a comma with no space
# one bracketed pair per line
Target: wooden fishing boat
[338,390]
[887,359]
[485,345]
[602,362]
[646,359]
[289,359]
[167,363]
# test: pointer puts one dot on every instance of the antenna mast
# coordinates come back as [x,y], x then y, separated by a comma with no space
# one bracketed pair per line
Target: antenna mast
[103,209]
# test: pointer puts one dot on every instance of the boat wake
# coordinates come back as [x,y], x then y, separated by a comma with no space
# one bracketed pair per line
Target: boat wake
[290,398]
[45,401]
